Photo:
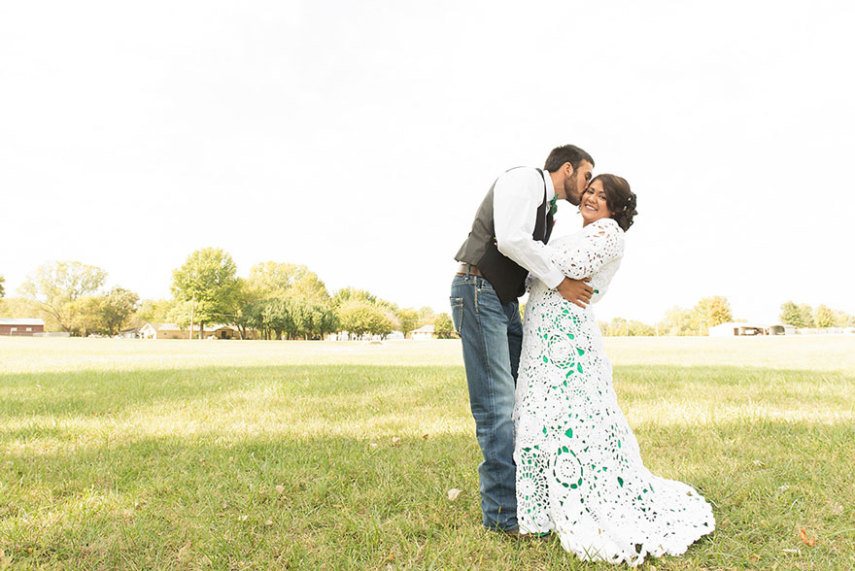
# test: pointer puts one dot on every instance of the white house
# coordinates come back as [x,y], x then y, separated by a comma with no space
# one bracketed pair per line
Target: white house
[173,331]
[423,332]
[731,329]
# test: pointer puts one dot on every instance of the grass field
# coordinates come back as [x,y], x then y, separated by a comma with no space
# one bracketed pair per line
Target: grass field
[126,454]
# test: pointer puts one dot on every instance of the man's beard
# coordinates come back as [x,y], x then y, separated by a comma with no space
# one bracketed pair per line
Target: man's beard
[570,191]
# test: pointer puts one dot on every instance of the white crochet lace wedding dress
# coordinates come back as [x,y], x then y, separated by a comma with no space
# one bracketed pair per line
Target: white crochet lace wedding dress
[579,468]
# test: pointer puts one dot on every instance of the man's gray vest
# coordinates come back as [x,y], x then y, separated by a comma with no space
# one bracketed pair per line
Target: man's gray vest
[505,275]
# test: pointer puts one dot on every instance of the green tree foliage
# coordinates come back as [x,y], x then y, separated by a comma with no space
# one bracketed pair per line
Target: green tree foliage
[408,319]
[443,327]
[2,287]
[346,294]
[679,321]
[240,311]
[619,327]
[152,311]
[713,311]
[840,318]
[823,317]
[708,312]
[273,279]
[56,286]
[360,318]
[103,314]
[806,312]
[791,315]
[426,315]
[208,280]
[285,317]
[116,308]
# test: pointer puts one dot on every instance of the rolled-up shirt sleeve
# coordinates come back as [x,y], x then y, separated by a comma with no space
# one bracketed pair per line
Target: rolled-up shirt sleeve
[516,197]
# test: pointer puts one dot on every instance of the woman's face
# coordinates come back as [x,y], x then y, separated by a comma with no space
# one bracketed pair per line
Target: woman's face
[593,204]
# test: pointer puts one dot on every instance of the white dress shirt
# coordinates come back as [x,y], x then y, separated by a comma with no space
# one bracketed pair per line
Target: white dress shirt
[516,196]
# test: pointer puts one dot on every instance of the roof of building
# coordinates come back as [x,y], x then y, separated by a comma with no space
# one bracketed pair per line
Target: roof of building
[21,321]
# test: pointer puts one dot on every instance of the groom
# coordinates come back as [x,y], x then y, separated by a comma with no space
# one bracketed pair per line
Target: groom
[507,242]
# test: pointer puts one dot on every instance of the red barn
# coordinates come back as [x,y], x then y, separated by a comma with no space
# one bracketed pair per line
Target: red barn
[17,326]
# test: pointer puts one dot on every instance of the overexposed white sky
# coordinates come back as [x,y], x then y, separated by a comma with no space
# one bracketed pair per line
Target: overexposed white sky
[359,138]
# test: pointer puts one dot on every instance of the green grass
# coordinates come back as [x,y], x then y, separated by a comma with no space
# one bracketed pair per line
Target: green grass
[124,454]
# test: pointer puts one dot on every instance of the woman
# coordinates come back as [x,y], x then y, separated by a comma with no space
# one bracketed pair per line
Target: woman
[579,468]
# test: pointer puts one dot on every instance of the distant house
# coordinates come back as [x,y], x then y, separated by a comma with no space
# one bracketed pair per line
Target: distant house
[26,327]
[750,329]
[173,331]
[423,332]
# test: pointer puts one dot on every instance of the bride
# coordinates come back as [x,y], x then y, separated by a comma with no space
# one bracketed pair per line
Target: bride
[579,468]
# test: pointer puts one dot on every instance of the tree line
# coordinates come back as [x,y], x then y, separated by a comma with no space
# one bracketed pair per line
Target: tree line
[715,310]
[277,300]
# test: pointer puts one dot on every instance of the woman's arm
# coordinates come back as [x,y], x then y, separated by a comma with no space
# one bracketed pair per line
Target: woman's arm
[602,242]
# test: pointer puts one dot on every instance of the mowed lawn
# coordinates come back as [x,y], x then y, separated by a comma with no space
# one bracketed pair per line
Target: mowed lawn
[127,454]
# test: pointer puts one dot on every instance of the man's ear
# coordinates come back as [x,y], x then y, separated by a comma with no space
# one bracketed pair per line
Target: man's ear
[568,169]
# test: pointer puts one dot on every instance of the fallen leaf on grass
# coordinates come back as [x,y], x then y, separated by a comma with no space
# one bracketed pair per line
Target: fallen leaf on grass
[809,542]
[280,489]
[453,493]
[373,445]
[425,436]
[759,463]
[396,440]
[389,558]
[184,552]
[268,523]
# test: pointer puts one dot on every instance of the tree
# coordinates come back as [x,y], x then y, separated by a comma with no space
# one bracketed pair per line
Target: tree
[443,327]
[240,311]
[713,311]
[312,320]
[55,286]
[361,317]
[426,315]
[347,294]
[791,315]
[679,321]
[2,288]
[207,280]
[823,317]
[116,308]
[86,315]
[619,327]
[806,312]
[409,320]
[152,311]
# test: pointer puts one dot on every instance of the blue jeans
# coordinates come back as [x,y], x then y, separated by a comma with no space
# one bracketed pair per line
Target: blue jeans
[491,333]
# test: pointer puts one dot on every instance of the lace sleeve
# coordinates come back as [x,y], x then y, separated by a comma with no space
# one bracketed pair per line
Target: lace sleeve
[602,242]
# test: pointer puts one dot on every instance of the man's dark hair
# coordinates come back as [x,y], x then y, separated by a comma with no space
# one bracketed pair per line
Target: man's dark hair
[566,154]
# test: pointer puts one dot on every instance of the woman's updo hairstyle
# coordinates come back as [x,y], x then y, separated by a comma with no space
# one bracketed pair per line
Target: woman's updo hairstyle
[619,198]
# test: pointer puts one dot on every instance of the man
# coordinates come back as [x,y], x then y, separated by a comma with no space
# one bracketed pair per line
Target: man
[507,242]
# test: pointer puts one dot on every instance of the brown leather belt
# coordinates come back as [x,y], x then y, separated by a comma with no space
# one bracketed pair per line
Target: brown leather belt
[468,269]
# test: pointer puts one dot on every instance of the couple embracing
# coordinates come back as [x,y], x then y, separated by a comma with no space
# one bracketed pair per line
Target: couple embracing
[559,456]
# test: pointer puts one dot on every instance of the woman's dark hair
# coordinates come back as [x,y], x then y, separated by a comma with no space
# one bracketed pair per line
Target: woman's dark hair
[566,154]
[619,198]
